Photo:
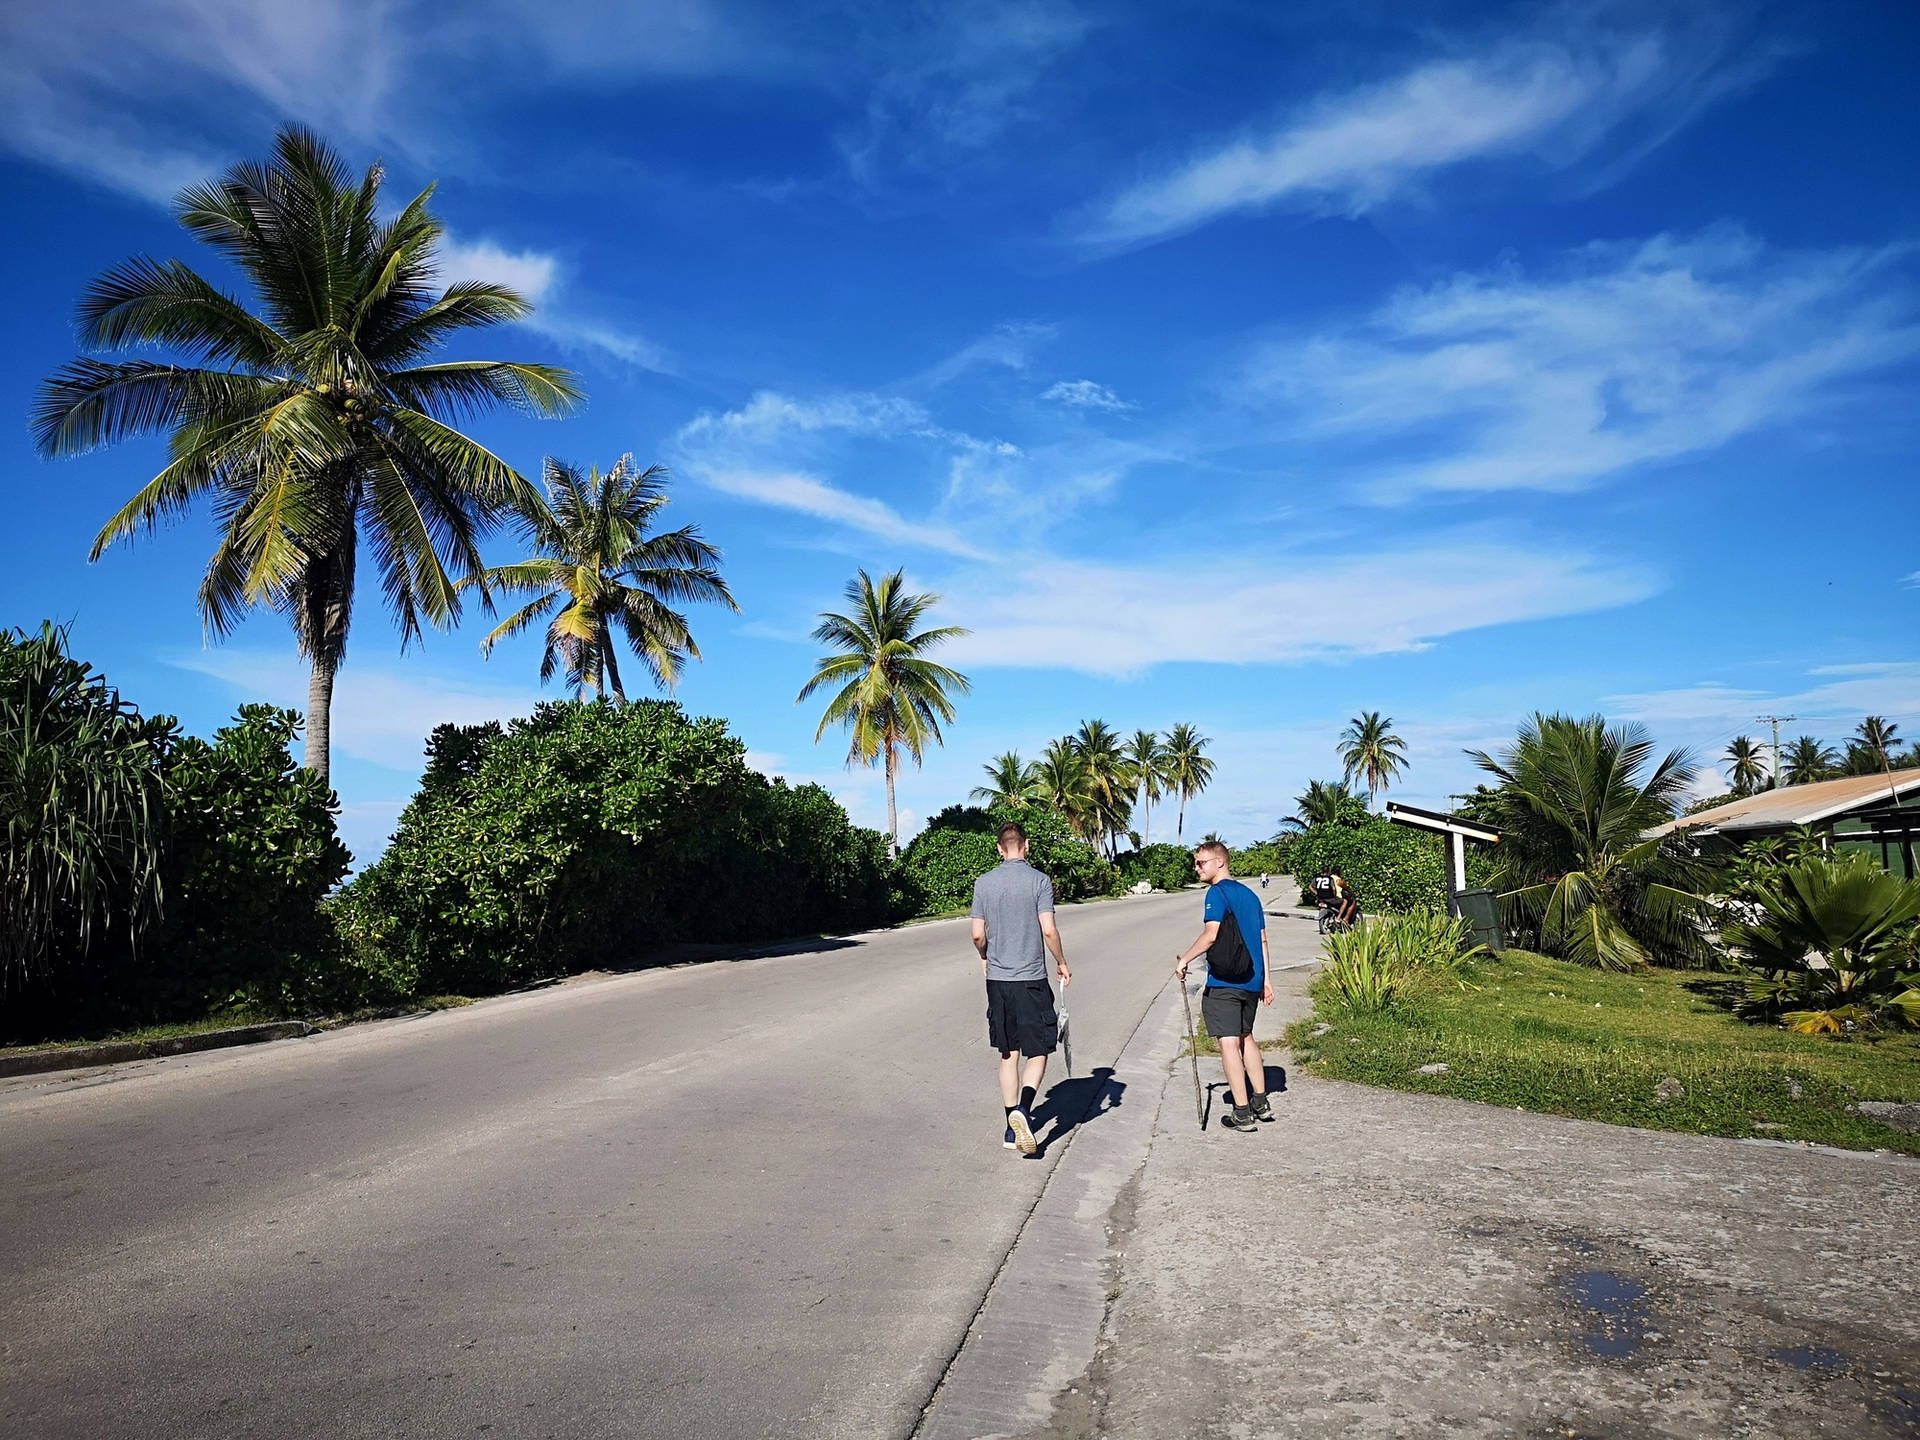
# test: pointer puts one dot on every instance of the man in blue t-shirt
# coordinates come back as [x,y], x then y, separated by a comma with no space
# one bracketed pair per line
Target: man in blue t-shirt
[1228,1007]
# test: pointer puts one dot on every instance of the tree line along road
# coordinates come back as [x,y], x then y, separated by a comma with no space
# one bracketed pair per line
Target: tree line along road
[744,1198]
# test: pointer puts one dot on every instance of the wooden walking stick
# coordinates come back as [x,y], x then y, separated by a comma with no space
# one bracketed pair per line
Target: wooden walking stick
[1193,1054]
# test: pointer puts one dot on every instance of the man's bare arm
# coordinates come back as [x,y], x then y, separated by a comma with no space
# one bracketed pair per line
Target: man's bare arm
[1266,968]
[1051,934]
[1208,934]
[980,942]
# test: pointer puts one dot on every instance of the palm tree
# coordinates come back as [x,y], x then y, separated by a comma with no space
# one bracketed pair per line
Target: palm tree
[891,697]
[1109,778]
[1188,769]
[1146,757]
[1008,782]
[310,420]
[1062,783]
[1807,760]
[1746,767]
[1574,804]
[594,566]
[1881,736]
[1326,802]
[1369,749]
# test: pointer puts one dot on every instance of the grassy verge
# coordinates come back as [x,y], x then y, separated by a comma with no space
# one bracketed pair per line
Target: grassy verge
[232,1019]
[1636,1049]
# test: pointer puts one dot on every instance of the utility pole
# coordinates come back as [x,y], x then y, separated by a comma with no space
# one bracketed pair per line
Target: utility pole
[1774,720]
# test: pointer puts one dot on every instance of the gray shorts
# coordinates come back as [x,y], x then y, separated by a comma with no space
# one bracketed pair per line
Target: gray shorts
[1228,1012]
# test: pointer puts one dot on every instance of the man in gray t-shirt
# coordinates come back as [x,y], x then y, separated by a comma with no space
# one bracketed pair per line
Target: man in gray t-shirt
[1013,930]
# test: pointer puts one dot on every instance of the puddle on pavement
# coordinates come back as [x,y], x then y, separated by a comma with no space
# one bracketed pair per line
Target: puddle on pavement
[1618,1306]
[1812,1357]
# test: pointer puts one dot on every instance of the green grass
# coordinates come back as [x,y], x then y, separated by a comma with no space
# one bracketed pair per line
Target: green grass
[1550,1036]
[233,1019]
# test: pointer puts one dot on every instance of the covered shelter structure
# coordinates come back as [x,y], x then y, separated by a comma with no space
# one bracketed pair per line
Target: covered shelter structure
[1477,906]
[1876,813]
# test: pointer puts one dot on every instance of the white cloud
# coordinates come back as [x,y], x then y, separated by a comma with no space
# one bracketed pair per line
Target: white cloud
[1554,99]
[529,272]
[1705,717]
[1008,346]
[1084,395]
[1912,582]
[809,496]
[1626,353]
[1117,621]
[541,278]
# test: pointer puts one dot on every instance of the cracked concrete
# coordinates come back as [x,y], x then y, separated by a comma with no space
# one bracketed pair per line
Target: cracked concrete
[1389,1264]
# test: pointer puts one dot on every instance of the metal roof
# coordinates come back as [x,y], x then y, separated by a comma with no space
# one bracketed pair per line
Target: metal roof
[1436,820]
[1792,805]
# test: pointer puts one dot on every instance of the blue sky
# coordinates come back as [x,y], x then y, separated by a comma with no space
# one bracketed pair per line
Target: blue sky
[1235,363]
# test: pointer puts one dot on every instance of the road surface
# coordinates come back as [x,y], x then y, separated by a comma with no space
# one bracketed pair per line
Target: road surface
[745,1198]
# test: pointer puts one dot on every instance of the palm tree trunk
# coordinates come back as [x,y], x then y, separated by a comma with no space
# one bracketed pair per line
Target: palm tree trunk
[320,717]
[893,814]
[1180,830]
[1146,820]
[613,665]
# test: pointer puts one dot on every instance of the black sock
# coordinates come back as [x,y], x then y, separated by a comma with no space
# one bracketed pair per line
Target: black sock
[1026,1097]
[1009,1114]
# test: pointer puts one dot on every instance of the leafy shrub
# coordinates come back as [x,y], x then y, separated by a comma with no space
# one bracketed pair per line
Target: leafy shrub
[1836,947]
[588,834]
[150,875]
[1364,970]
[960,844]
[251,853]
[1165,867]
[1391,868]
[1269,857]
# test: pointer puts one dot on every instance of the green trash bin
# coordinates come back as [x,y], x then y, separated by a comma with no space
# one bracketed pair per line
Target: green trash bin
[1481,910]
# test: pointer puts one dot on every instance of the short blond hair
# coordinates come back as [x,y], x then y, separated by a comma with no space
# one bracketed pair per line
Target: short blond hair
[1214,847]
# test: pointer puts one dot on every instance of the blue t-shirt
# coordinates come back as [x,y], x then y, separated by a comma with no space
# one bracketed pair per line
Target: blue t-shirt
[1253,920]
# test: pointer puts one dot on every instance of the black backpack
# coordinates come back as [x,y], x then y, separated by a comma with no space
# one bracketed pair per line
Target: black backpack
[1229,961]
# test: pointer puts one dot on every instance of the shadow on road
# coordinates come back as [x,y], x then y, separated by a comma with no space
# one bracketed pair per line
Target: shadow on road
[1072,1103]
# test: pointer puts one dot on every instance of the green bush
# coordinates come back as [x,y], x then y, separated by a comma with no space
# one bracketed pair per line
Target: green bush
[1391,868]
[959,845]
[1165,867]
[251,853]
[1269,857]
[152,876]
[589,834]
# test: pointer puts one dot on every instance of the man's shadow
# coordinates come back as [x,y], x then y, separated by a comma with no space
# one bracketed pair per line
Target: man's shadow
[1276,1086]
[1072,1103]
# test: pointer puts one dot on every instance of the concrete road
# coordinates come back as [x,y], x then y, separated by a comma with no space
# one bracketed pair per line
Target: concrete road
[747,1198]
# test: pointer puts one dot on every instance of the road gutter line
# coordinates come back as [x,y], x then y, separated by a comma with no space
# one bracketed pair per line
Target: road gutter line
[1039,1322]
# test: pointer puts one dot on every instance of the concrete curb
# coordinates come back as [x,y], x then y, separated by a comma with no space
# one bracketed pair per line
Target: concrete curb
[112,1052]
[1040,1323]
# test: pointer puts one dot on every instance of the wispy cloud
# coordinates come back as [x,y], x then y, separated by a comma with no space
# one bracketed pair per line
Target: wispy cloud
[1555,99]
[542,278]
[1118,621]
[1008,346]
[1623,354]
[810,496]
[1084,395]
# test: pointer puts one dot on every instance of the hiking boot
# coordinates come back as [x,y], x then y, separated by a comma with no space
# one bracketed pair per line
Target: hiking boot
[1021,1129]
[1239,1120]
[1263,1110]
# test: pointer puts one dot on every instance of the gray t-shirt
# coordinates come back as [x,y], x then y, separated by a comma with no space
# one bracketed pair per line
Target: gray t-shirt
[1011,898]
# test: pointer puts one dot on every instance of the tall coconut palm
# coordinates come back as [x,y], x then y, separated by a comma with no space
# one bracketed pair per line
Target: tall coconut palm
[1575,802]
[1189,771]
[1146,757]
[312,421]
[1008,781]
[1109,778]
[1880,735]
[1327,802]
[1807,760]
[890,697]
[1746,765]
[1062,783]
[595,567]
[1371,751]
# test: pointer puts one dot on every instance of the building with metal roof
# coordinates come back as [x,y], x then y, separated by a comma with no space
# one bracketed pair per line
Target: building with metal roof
[1879,812]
